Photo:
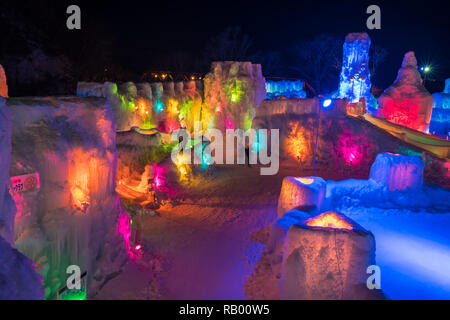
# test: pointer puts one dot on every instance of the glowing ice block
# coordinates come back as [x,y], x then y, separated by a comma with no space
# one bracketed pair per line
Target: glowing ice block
[306,194]
[398,172]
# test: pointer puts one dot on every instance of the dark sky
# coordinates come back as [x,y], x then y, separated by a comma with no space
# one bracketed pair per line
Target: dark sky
[144,33]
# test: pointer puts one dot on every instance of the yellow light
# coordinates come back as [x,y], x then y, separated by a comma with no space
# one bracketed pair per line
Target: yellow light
[329,219]
[305,180]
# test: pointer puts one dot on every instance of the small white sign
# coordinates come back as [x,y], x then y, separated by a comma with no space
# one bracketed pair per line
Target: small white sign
[26,182]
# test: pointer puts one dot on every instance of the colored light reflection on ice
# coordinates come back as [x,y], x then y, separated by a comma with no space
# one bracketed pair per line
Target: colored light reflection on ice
[305,180]
[329,220]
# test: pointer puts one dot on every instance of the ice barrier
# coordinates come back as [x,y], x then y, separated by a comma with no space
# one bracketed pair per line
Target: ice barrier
[354,81]
[76,217]
[18,278]
[284,88]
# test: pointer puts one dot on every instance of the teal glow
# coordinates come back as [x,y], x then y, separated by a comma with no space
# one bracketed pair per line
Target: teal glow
[159,106]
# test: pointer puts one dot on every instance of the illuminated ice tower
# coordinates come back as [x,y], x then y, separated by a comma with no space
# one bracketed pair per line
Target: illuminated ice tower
[355,74]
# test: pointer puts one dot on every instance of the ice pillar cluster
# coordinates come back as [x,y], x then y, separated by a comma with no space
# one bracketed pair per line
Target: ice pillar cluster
[440,118]
[355,74]
[407,102]
[233,92]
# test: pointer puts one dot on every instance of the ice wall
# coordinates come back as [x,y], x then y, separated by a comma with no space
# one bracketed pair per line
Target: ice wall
[440,117]
[18,279]
[150,105]
[3,85]
[355,74]
[75,217]
[285,88]
[407,102]
[7,207]
[233,92]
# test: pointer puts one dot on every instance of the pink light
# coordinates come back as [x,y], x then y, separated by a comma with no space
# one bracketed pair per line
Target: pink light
[229,124]
[138,247]
[123,227]
[352,148]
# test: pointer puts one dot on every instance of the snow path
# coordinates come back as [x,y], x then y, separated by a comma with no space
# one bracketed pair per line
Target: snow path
[206,241]
[412,250]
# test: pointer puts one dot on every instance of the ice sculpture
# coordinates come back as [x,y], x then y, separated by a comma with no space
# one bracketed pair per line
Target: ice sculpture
[147,106]
[354,81]
[305,193]
[440,118]
[326,257]
[398,172]
[7,206]
[284,88]
[75,217]
[233,91]
[407,102]
[3,85]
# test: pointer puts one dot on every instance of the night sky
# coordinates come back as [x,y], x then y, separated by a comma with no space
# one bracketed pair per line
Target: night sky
[146,35]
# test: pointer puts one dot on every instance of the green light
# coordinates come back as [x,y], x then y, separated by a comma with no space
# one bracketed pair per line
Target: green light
[75,295]
[427,69]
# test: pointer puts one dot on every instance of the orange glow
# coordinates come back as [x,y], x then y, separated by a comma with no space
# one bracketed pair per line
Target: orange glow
[296,144]
[143,107]
[83,178]
[305,180]
[329,219]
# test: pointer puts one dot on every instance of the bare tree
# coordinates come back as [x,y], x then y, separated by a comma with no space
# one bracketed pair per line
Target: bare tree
[377,56]
[317,61]
[230,45]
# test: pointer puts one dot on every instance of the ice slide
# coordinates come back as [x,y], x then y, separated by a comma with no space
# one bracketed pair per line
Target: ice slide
[427,142]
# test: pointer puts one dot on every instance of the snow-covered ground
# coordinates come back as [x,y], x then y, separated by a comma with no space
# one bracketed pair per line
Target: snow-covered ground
[207,248]
[413,250]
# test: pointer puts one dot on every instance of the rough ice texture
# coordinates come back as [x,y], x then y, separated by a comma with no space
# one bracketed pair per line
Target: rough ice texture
[18,278]
[76,217]
[306,193]
[264,282]
[407,102]
[326,263]
[398,172]
[233,92]
[7,207]
[347,147]
[302,262]
[149,105]
[288,106]
[285,88]
[3,85]
[354,81]
[440,118]
[134,150]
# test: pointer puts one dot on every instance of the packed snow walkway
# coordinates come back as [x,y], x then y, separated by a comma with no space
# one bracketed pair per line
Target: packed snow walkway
[207,244]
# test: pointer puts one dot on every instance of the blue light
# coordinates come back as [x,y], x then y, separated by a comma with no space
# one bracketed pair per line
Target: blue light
[326,103]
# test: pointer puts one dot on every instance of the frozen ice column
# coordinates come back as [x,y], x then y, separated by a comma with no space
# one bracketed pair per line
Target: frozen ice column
[305,194]
[407,102]
[7,205]
[3,85]
[440,118]
[354,81]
